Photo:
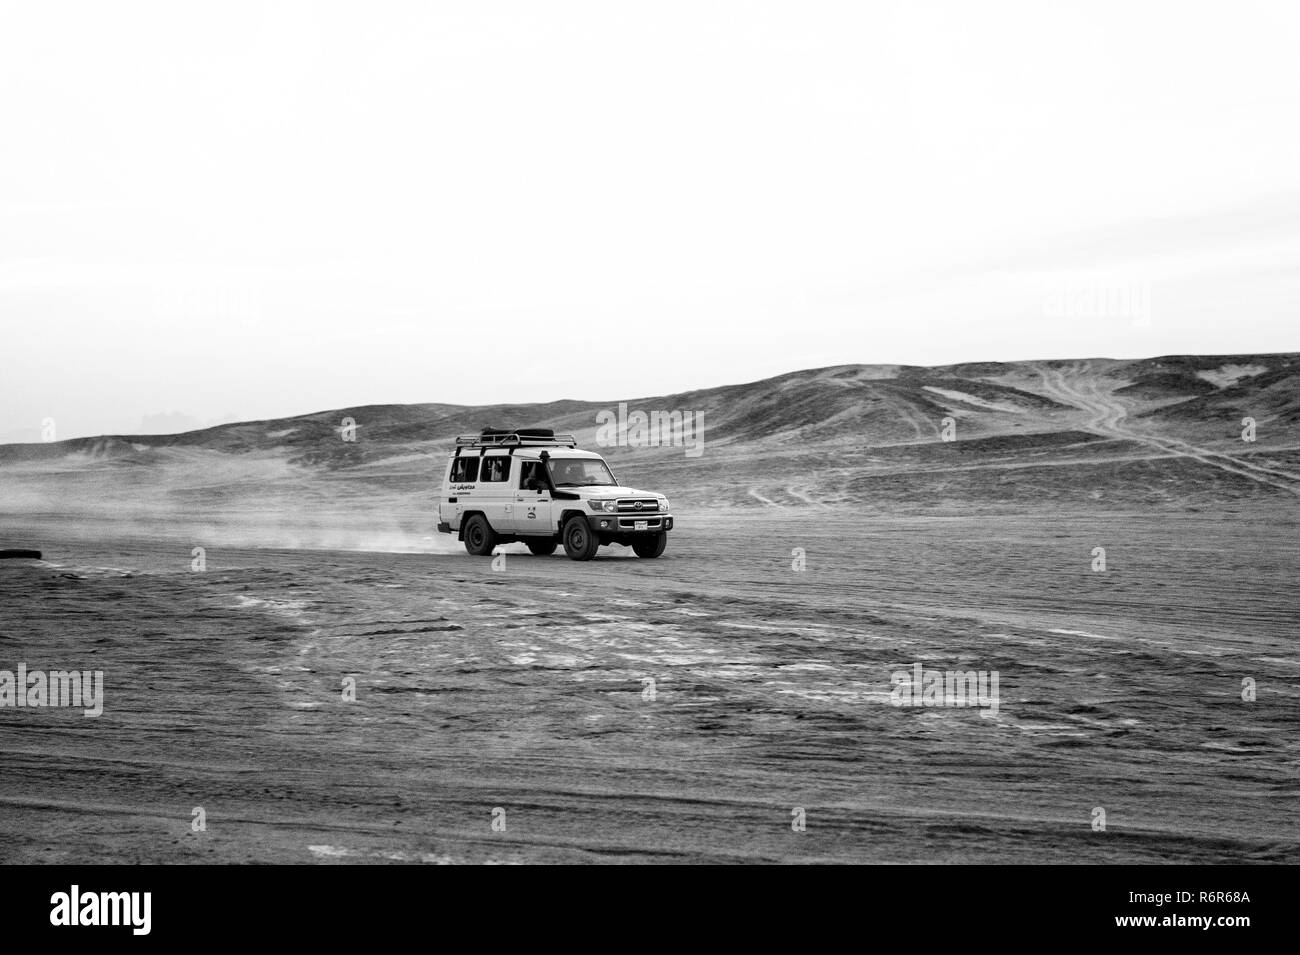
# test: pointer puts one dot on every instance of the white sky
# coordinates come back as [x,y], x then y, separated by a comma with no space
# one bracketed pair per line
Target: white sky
[255,210]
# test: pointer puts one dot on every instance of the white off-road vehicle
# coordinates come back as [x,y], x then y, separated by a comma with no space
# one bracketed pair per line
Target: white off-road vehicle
[535,486]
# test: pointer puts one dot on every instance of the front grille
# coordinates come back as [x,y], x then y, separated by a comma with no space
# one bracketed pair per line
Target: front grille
[628,505]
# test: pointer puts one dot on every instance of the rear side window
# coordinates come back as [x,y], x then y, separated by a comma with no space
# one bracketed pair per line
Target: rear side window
[464,471]
[495,469]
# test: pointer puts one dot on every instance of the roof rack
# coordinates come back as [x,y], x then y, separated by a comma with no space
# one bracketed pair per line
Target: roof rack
[519,438]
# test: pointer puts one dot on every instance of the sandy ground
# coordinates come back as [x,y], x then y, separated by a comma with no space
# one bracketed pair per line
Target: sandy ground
[522,689]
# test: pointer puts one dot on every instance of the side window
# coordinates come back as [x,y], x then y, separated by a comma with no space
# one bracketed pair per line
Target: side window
[496,468]
[527,471]
[464,471]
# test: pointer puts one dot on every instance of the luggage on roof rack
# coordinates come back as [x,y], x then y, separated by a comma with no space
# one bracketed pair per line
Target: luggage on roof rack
[518,437]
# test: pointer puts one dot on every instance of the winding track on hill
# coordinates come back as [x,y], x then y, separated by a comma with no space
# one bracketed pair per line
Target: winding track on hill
[1108,414]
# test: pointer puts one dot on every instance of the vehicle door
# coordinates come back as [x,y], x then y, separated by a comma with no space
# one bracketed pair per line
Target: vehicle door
[459,488]
[495,492]
[532,499]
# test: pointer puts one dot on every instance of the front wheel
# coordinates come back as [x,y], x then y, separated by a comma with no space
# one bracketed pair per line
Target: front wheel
[651,546]
[479,537]
[542,548]
[579,542]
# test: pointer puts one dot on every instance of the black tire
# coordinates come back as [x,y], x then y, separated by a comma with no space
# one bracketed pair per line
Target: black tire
[479,536]
[542,548]
[579,541]
[651,546]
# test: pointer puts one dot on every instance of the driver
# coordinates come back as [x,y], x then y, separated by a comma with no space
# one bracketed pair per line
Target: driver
[571,473]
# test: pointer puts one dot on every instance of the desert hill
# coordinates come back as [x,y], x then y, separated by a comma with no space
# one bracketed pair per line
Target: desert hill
[1084,434]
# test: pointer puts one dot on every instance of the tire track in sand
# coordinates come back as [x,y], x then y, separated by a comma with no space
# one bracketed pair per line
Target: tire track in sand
[753,492]
[1107,415]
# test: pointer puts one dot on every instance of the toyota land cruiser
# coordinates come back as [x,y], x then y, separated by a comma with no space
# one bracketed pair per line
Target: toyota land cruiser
[535,486]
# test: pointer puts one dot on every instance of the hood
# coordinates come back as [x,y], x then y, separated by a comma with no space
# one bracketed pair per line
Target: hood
[604,490]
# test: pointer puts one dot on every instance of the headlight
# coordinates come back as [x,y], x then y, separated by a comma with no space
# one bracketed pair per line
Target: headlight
[602,505]
[663,505]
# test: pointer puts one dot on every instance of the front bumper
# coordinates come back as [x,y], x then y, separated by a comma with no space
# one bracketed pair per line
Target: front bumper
[607,523]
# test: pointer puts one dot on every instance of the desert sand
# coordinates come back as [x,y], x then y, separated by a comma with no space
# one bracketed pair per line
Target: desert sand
[827,537]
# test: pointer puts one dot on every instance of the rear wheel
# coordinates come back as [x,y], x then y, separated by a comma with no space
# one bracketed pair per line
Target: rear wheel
[542,547]
[479,537]
[651,546]
[579,542]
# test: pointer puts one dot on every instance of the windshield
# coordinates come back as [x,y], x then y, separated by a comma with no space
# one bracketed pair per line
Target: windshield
[580,472]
